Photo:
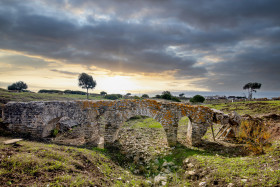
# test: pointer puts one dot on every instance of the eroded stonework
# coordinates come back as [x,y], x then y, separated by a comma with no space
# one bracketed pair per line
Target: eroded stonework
[103,119]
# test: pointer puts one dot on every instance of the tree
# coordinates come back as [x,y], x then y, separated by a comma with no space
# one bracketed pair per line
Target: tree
[181,95]
[145,96]
[251,86]
[18,86]
[166,95]
[128,94]
[175,99]
[86,82]
[197,99]
[158,96]
[103,93]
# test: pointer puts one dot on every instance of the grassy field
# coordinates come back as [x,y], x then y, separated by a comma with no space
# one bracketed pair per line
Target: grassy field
[38,164]
[249,107]
[6,96]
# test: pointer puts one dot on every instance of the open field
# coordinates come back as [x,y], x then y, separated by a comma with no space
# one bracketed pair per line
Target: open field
[249,107]
[6,96]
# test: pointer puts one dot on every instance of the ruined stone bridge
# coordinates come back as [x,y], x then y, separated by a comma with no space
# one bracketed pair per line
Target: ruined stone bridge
[103,119]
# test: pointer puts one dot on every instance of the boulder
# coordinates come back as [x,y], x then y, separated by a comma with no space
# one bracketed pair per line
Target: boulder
[202,184]
[159,179]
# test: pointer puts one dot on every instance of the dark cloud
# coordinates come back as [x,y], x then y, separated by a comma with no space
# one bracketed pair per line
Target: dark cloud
[23,61]
[254,65]
[65,72]
[152,37]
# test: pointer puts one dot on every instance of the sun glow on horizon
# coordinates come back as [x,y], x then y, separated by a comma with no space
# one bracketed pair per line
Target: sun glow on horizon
[118,84]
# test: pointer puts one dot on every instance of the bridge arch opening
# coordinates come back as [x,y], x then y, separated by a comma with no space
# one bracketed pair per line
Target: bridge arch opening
[142,138]
[182,130]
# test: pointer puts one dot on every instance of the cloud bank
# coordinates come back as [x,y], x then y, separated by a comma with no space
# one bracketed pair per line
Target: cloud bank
[226,43]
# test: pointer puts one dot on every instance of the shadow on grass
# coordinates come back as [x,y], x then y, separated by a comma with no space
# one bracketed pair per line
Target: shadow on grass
[223,148]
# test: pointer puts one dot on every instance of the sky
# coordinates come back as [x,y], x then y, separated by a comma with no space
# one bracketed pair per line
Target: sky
[141,46]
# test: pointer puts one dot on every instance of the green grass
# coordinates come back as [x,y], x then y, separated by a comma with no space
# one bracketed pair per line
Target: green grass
[143,122]
[249,107]
[259,170]
[54,165]
[6,96]
[237,168]
[183,121]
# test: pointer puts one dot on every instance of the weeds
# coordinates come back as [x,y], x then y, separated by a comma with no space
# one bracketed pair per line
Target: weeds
[254,133]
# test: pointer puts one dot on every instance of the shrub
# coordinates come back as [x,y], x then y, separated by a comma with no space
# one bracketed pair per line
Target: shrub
[113,96]
[158,96]
[145,96]
[166,95]
[175,99]
[254,133]
[136,97]
[74,92]
[103,93]
[197,99]
[50,91]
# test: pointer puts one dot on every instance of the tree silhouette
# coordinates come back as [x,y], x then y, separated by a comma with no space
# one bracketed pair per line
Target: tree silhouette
[251,86]
[86,82]
[103,93]
[166,95]
[197,99]
[18,86]
[145,96]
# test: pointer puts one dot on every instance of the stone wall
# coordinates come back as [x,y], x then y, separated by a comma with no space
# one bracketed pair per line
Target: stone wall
[103,119]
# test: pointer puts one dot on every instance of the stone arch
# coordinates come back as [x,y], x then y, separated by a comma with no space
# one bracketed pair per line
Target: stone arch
[183,125]
[199,121]
[50,125]
[112,122]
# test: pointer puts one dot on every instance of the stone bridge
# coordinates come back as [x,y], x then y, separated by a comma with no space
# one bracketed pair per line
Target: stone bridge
[103,119]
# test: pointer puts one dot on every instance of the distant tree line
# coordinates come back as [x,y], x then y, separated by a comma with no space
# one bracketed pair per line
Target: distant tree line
[61,92]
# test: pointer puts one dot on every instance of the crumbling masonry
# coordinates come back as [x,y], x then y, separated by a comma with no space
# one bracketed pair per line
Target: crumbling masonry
[103,119]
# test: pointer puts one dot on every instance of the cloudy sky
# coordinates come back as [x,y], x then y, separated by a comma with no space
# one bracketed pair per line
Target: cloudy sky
[141,46]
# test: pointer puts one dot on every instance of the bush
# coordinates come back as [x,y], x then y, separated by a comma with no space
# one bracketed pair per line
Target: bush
[74,92]
[197,99]
[50,91]
[176,99]
[113,96]
[254,133]
[103,93]
[158,96]
[166,95]
[136,97]
[145,96]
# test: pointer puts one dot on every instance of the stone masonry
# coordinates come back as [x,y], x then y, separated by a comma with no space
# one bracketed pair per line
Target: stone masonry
[104,119]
